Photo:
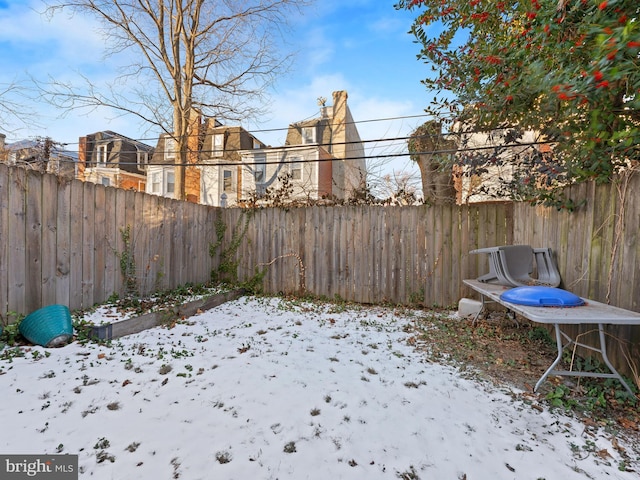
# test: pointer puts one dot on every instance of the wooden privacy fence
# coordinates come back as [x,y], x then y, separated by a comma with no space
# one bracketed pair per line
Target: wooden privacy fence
[598,252]
[368,254]
[64,242]
[68,242]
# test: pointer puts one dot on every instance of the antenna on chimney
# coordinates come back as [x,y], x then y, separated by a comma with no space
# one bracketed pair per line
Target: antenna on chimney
[322,101]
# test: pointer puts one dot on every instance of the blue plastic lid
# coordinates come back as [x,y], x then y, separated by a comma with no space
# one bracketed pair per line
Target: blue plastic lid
[541,297]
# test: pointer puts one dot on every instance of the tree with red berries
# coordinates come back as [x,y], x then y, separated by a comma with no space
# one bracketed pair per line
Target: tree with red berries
[568,69]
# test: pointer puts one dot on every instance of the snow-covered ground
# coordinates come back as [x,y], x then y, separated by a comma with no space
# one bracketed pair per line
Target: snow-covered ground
[265,388]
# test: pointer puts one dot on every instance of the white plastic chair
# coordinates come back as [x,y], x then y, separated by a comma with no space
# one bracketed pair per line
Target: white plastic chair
[512,265]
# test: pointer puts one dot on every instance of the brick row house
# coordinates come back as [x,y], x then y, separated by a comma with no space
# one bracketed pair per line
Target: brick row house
[41,155]
[113,160]
[214,155]
[323,157]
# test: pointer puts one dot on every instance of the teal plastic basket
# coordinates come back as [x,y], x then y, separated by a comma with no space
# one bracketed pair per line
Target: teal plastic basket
[49,326]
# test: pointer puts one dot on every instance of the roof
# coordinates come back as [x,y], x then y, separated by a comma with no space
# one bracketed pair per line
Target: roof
[106,134]
[34,144]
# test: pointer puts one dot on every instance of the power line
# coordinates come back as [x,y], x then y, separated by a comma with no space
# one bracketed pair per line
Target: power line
[278,129]
[436,136]
[450,151]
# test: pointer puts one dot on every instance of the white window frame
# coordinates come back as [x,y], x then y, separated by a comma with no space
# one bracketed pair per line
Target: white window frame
[102,155]
[296,165]
[142,158]
[230,188]
[163,182]
[170,182]
[308,135]
[260,168]
[156,183]
[169,148]
[217,144]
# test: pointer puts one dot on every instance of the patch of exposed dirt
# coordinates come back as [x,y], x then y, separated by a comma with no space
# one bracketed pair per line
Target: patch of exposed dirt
[517,354]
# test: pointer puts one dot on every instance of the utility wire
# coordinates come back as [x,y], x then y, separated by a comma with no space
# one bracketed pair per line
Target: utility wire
[297,124]
[449,151]
[351,142]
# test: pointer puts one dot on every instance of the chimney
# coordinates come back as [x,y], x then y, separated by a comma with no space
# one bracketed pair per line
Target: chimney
[325,112]
[82,157]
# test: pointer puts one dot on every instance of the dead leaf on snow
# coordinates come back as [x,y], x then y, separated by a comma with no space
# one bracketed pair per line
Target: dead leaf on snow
[617,446]
[626,423]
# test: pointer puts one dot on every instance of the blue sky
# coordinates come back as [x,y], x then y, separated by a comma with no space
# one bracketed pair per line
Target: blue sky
[361,46]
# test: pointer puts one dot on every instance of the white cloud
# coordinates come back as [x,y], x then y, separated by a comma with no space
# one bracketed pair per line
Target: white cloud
[295,103]
[318,49]
[59,43]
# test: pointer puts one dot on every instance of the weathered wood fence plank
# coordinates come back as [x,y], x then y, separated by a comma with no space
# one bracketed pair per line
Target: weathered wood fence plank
[4,238]
[17,235]
[62,243]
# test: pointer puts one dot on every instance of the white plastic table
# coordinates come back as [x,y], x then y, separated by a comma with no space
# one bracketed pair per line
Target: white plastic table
[592,313]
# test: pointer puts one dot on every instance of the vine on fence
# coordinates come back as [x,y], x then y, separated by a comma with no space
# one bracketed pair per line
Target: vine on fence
[227,269]
[128,264]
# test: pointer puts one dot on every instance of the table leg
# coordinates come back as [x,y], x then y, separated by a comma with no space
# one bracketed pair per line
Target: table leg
[605,358]
[556,361]
[484,302]
[602,350]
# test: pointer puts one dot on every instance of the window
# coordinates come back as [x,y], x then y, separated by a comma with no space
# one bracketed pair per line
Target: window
[217,148]
[308,135]
[260,168]
[256,144]
[156,182]
[227,181]
[143,159]
[295,168]
[171,182]
[163,182]
[169,148]
[102,155]
[105,181]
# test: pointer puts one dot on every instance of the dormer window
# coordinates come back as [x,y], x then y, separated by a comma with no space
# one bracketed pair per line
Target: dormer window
[308,135]
[217,147]
[102,155]
[169,148]
[143,159]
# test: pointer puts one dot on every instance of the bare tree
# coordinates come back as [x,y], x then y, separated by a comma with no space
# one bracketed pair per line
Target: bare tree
[214,56]
[13,110]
